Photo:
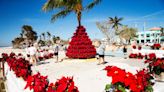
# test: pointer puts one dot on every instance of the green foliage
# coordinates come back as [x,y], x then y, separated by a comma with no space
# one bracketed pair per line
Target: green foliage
[65,7]
[42,43]
[108,86]
[121,88]
[29,33]
[56,38]
[157,70]
[115,23]
[128,33]
[149,88]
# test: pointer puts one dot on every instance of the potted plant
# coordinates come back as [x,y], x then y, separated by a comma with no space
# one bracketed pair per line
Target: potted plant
[156,66]
[156,46]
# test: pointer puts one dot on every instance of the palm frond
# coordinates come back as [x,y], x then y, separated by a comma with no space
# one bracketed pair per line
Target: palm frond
[92,4]
[51,4]
[60,14]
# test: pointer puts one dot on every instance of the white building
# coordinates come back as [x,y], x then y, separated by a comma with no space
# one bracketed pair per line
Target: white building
[152,36]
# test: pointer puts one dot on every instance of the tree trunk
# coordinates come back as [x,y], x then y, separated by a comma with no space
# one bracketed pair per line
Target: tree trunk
[79,18]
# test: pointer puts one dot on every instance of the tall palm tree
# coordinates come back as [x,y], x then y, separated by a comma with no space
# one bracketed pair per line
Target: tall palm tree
[49,35]
[68,6]
[115,23]
[43,34]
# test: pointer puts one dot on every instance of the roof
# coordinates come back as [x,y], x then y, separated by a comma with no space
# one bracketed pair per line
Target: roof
[155,29]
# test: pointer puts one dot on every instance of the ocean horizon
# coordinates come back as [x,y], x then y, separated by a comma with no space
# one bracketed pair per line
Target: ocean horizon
[5,46]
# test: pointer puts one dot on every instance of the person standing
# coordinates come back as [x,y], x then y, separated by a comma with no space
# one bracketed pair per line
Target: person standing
[125,51]
[100,52]
[33,52]
[56,52]
[27,52]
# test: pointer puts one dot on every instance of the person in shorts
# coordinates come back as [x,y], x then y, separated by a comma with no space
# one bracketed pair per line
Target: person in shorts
[100,52]
[56,52]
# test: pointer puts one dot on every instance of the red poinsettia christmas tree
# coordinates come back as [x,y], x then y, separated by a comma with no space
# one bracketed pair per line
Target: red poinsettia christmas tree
[81,46]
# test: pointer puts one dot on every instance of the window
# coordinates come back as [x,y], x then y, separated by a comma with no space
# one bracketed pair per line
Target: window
[147,40]
[142,41]
[137,41]
[147,35]
[142,35]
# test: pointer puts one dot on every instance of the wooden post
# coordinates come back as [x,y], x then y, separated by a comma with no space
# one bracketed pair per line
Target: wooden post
[3,67]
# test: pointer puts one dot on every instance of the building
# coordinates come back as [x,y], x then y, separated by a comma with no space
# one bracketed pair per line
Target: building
[154,35]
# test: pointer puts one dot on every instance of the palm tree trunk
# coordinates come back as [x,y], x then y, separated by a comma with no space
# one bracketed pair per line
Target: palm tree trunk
[79,18]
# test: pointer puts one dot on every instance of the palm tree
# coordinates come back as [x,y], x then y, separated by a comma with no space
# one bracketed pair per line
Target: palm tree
[128,33]
[56,38]
[68,6]
[43,34]
[115,23]
[49,35]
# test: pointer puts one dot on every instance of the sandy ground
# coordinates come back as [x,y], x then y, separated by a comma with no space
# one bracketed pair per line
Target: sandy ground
[88,76]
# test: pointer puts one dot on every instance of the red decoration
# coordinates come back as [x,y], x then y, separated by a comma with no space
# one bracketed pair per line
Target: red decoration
[37,82]
[65,84]
[80,45]
[134,47]
[156,46]
[139,56]
[140,82]
[20,66]
[139,47]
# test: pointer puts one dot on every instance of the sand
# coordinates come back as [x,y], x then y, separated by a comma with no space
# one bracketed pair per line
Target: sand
[88,76]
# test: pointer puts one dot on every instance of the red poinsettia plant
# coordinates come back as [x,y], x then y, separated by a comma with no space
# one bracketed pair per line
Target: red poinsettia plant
[37,82]
[122,80]
[156,46]
[139,47]
[134,47]
[50,55]
[155,65]
[20,66]
[65,84]
[139,55]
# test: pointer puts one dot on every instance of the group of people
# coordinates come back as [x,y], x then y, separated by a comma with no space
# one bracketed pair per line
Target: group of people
[33,51]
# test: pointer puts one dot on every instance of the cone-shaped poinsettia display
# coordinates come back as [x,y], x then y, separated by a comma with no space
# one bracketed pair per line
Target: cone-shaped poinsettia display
[80,45]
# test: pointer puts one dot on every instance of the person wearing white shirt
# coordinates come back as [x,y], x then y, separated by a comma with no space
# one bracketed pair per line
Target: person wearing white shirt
[33,52]
[100,52]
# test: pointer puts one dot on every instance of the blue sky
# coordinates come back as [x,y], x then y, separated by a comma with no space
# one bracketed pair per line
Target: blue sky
[16,13]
